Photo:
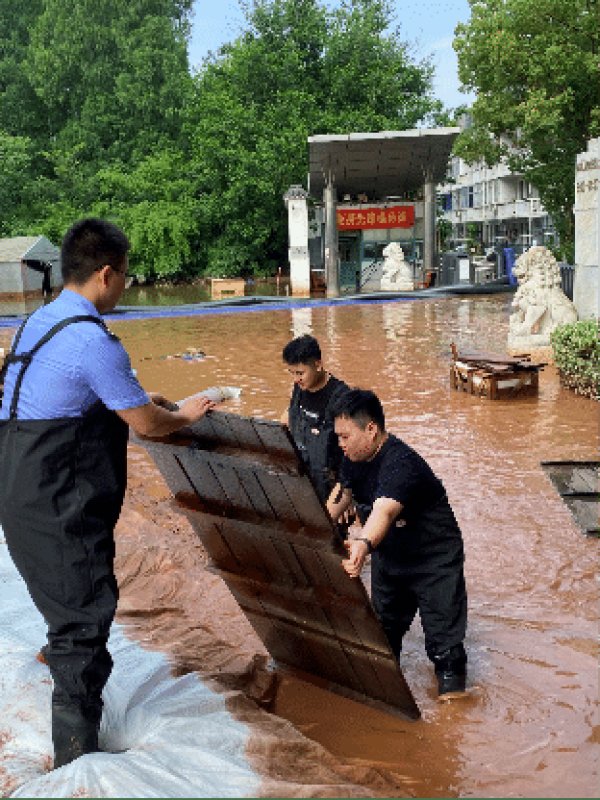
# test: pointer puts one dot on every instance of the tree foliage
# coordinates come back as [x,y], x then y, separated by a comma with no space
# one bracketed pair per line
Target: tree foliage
[535,67]
[89,108]
[16,180]
[298,70]
[100,115]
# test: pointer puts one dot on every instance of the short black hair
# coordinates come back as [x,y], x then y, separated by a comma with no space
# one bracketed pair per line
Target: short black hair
[302,350]
[361,406]
[90,244]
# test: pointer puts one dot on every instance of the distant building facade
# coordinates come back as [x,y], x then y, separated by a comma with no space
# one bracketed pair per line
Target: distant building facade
[494,206]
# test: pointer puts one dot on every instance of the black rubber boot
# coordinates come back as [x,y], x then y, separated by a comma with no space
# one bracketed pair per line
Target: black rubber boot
[73,733]
[451,671]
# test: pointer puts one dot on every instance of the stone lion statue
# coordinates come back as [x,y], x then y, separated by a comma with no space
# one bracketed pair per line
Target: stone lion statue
[539,305]
[397,274]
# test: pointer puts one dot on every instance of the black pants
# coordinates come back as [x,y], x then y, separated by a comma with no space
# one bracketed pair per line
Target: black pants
[62,485]
[72,583]
[436,590]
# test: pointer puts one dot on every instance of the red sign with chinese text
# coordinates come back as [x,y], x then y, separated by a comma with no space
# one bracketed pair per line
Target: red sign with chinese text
[353,219]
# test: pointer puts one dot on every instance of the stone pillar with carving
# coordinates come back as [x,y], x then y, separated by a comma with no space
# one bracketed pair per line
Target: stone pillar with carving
[586,287]
[295,201]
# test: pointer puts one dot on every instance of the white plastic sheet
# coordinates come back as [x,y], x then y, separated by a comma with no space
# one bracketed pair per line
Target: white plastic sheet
[166,737]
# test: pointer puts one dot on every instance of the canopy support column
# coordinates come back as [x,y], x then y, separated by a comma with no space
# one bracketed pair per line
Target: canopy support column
[429,215]
[332,273]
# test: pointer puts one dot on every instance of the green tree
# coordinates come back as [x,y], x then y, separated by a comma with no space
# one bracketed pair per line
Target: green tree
[113,90]
[297,70]
[104,87]
[21,112]
[371,81]
[154,203]
[535,67]
[16,180]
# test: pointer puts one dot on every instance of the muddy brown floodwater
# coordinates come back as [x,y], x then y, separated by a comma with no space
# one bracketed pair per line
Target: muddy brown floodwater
[529,726]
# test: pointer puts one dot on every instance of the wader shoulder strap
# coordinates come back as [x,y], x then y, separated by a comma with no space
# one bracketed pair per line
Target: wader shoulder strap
[9,358]
[24,359]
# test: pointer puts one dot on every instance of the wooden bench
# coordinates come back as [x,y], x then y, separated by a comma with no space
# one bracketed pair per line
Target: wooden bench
[493,376]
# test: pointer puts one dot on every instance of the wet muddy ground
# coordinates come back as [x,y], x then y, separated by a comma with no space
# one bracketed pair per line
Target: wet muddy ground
[529,726]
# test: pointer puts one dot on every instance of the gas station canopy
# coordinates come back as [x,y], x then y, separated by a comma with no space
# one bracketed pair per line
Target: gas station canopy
[380,164]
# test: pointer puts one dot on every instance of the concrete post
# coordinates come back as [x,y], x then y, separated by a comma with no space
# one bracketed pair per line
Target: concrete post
[295,201]
[332,272]
[586,287]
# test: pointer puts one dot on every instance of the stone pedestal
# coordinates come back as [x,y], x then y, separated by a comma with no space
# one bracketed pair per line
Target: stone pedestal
[295,200]
[586,287]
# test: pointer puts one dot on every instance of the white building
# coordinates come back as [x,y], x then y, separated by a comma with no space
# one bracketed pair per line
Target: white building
[494,206]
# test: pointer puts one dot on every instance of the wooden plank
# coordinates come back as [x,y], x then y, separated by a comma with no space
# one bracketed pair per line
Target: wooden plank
[216,545]
[367,676]
[252,565]
[353,625]
[221,428]
[584,480]
[270,538]
[276,439]
[227,476]
[246,594]
[279,499]
[257,496]
[287,554]
[202,477]
[286,643]
[246,434]
[481,356]
[331,661]
[277,553]
[306,503]
[295,609]
[165,458]
[202,430]
[586,512]
[561,478]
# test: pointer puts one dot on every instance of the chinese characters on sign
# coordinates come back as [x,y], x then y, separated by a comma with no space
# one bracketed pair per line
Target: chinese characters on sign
[352,219]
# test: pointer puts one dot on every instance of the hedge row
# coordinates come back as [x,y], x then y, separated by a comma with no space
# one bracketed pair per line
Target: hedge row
[577,356]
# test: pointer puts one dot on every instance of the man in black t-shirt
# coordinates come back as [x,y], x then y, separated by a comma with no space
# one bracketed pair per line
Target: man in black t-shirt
[409,527]
[308,417]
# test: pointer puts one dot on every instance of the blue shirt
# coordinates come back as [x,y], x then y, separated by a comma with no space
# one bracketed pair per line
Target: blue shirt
[80,365]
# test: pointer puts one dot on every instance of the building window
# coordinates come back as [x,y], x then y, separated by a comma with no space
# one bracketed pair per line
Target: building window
[466,197]
[524,190]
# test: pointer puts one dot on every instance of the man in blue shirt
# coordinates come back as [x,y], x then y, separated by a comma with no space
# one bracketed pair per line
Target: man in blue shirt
[69,396]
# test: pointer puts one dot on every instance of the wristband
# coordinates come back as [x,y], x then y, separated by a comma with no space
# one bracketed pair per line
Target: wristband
[368,542]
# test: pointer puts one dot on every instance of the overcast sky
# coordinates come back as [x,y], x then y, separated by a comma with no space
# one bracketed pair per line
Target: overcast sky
[428,24]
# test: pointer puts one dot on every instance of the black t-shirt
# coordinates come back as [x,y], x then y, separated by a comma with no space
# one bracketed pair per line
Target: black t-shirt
[313,405]
[426,522]
[311,425]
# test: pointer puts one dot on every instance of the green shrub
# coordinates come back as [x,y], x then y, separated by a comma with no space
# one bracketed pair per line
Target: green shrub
[577,356]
